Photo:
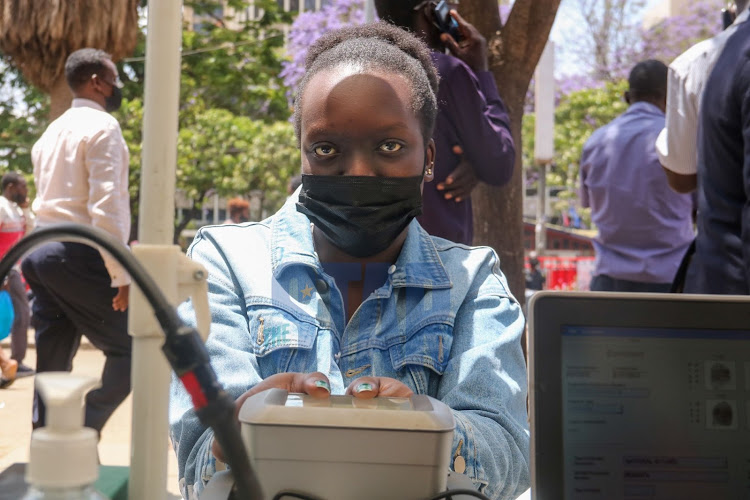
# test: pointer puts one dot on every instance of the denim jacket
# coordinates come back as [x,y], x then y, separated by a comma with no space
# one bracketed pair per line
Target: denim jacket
[444,323]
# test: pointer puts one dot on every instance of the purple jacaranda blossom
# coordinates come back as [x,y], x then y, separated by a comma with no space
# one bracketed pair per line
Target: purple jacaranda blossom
[308,27]
[672,36]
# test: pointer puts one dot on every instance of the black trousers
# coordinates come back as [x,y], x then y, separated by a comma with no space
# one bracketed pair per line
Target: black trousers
[19,333]
[73,297]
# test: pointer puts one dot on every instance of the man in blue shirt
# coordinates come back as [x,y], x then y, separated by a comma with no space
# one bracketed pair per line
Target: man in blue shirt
[644,227]
[722,257]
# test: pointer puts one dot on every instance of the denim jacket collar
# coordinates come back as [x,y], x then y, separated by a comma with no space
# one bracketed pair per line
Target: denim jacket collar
[418,265]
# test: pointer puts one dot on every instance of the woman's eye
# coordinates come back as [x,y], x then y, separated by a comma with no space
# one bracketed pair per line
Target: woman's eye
[390,146]
[324,150]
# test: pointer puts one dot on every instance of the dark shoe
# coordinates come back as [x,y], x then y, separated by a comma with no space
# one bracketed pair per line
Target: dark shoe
[6,382]
[24,371]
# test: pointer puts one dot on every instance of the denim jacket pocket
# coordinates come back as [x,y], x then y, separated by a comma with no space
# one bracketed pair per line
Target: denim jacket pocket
[423,351]
[277,335]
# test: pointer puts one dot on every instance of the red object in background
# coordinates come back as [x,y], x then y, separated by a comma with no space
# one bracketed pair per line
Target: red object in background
[561,272]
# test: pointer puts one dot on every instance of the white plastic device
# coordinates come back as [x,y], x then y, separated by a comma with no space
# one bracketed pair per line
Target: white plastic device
[341,447]
[63,458]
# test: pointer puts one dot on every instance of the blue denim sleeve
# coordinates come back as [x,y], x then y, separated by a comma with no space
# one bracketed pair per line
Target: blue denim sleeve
[485,385]
[230,348]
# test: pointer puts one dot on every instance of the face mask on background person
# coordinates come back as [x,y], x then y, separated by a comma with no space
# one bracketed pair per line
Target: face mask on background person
[113,101]
[361,215]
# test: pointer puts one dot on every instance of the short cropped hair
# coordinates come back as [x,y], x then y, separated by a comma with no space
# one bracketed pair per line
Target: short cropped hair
[236,206]
[82,64]
[648,80]
[11,178]
[398,12]
[376,46]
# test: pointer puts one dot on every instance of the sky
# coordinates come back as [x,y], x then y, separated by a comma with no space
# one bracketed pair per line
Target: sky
[567,24]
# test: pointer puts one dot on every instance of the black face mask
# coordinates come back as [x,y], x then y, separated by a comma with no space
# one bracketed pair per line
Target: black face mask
[18,198]
[113,102]
[361,215]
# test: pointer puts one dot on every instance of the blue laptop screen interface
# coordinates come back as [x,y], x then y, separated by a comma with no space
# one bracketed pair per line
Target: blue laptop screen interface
[655,413]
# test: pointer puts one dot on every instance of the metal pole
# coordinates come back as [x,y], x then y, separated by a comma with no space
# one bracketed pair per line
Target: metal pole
[544,135]
[540,233]
[151,373]
[369,11]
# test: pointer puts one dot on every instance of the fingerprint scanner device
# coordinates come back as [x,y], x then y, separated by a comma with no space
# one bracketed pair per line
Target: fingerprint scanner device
[341,447]
[636,396]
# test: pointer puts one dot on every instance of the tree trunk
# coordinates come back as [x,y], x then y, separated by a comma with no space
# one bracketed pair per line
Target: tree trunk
[60,98]
[192,214]
[515,50]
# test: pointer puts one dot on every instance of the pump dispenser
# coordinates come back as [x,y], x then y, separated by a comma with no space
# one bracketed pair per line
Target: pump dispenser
[63,463]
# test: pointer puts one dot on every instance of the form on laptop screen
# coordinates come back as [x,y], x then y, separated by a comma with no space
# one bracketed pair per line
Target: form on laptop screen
[655,413]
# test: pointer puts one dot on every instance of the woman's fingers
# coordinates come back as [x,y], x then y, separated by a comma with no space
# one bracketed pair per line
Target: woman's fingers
[364,388]
[315,384]
[369,387]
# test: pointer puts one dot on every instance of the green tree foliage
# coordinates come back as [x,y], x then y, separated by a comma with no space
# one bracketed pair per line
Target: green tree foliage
[227,154]
[577,115]
[23,116]
[235,136]
[236,67]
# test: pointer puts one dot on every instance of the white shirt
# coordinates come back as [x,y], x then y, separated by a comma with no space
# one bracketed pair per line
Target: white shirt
[15,222]
[81,176]
[14,219]
[677,144]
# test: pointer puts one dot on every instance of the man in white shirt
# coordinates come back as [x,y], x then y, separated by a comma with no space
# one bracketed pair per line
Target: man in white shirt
[678,142]
[15,221]
[81,175]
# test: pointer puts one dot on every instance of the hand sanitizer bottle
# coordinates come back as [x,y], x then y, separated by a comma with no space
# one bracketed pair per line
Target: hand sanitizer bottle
[63,463]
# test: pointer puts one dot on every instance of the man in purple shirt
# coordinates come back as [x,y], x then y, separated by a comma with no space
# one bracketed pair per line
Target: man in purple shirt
[472,131]
[644,227]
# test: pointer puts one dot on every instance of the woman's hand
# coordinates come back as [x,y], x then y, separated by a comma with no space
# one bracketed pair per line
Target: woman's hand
[370,387]
[315,384]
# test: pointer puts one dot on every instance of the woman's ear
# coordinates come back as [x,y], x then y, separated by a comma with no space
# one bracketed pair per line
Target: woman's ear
[429,156]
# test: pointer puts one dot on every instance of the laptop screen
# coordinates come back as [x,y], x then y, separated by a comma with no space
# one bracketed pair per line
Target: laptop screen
[655,412]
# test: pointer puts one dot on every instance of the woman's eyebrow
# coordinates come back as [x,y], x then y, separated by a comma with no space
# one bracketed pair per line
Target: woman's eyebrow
[395,126]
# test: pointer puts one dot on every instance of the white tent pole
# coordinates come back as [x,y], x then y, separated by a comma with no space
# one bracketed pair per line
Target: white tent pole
[151,373]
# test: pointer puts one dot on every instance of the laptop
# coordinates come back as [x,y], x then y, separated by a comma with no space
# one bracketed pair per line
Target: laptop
[639,396]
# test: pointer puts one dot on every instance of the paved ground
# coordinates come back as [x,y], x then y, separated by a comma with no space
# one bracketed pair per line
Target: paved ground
[15,415]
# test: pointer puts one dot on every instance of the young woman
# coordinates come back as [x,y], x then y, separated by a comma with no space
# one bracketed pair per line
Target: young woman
[342,291]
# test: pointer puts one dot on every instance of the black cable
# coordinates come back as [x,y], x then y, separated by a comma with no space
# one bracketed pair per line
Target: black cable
[165,313]
[182,347]
[465,491]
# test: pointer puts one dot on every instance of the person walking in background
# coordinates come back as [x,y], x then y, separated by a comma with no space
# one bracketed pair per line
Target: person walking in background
[81,175]
[238,210]
[535,279]
[15,221]
[721,263]
[677,143]
[644,227]
[472,133]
